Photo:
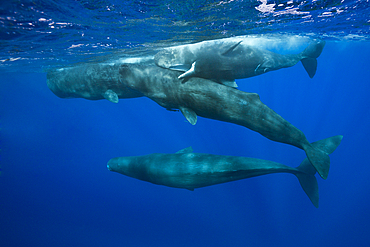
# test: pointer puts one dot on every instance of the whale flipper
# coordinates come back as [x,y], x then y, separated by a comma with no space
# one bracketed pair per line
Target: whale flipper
[192,72]
[189,114]
[188,73]
[229,83]
[307,178]
[111,96]
[309,56]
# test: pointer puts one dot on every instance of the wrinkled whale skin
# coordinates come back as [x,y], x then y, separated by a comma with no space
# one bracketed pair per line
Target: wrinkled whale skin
[89,81]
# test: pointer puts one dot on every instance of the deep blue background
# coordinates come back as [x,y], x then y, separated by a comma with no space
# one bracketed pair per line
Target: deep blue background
[55,189]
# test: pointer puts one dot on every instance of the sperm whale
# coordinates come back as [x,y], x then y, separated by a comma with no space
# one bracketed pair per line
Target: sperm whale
[189,170]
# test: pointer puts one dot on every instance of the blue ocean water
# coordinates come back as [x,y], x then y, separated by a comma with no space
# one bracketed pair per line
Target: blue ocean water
[55,189]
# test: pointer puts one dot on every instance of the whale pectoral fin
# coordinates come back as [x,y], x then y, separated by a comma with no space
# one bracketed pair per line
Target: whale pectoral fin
[180,67]
[111,96]
[231,48]
[229,83]
[185,150]
[188,73]
[189,114]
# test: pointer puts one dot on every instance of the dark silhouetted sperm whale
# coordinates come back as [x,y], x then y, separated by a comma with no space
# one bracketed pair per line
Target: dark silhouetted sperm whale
[189,170]
[225,60]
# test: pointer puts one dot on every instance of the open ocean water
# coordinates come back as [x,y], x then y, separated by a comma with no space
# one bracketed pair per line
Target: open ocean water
[55,188]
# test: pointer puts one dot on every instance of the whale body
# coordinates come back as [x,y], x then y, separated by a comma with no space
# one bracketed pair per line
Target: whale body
[225,60]
[189,170]
[205,98]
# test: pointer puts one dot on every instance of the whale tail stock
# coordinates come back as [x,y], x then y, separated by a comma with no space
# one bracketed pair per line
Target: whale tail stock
[306,172]
[309,56]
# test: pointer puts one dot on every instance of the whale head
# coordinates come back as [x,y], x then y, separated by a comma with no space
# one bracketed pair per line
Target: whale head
[119,164]
[70,83]
[131,166]
[124,165]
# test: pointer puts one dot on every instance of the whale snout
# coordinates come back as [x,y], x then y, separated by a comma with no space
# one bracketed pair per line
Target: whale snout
[56,82]
[109,167]
[114,164]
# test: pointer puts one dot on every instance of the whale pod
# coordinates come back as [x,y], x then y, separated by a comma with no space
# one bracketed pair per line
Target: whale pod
[205,98]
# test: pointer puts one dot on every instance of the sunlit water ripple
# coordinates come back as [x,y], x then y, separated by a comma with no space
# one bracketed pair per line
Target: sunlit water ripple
[37,35]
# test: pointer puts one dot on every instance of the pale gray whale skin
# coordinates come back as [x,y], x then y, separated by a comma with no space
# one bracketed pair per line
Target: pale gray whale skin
[89,81]
[225,60]
[189,170]
[205,98]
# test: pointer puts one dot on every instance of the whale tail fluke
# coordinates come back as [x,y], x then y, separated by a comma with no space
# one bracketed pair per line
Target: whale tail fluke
[307,171]
[319,159]
[308,181]
[309,56]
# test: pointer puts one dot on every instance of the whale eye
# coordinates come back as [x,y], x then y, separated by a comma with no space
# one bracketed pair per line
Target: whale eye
[124,69]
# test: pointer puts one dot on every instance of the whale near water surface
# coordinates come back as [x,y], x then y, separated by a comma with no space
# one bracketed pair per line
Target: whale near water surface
[225,60]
